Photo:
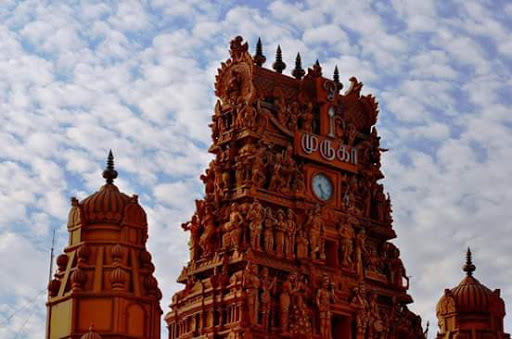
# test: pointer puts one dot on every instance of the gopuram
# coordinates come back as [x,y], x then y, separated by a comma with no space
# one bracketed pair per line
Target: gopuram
[292,237]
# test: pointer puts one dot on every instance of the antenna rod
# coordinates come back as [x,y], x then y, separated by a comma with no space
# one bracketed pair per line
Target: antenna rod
[51,257]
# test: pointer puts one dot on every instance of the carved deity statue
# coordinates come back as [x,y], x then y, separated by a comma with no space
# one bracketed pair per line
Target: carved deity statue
[307,118]
[268,232]
[209,229]
[315,226]
[360,303]
[255,217]
[251,284]
[291,226]
[324,298]
[235,226]
[258,177]
[302,244]
[277,181]
[346,232]
[279,235]
[288,288]
[268,288]
[195,234]
[361,251]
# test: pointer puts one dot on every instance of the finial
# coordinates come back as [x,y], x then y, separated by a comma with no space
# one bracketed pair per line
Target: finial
[279,65]
[110,173]
[298,72]
[469,268]
[259,58]
[317,69]
[336,78]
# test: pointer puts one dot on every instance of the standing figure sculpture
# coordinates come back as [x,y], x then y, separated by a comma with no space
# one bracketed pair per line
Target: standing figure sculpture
[235,226]
[255,217]
[324,298]
[251,284]
[291,226]
[268,232]
[316,226]
[268,287]
[280,230]
[287,290]
[347,237]
[361,251]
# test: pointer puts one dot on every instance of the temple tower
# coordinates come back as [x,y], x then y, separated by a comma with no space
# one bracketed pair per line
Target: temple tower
[292,237]
[105,275]
[471,310]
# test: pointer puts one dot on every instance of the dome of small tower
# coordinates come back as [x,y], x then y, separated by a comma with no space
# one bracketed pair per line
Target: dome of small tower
[108,204]
[467,297]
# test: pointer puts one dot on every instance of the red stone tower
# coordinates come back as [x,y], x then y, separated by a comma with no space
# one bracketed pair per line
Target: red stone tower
[105,275]
[471,310]
[292,237]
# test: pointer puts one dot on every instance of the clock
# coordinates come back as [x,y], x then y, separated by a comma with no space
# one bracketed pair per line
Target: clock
[322,187]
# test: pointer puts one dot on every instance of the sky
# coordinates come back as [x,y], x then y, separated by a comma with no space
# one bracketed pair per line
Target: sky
[78,78]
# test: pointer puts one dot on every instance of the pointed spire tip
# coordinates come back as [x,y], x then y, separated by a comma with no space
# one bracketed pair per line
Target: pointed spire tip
[110,173]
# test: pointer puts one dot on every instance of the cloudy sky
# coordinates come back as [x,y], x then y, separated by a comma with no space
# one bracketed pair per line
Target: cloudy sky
[78,78]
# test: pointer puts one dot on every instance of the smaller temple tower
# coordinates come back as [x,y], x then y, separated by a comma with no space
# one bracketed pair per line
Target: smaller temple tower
[105,275]
[471,310]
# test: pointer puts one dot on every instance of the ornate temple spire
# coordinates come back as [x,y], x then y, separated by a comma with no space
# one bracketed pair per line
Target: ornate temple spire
[469,268]
[110,173]
[336,78]
[279,65]
[259,58]
[298,72]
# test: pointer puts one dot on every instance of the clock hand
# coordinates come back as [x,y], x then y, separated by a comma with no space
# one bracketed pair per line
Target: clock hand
[322,193]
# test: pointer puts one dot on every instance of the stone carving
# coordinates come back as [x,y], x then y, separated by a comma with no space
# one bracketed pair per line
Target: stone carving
[268,289]
[280,230]
[255,217]
[287,290]
[251,284]
[195,234]
[324,297]
[268,232]
[346,232]
[291,227]
[235,226]
[361,251]
[315,225]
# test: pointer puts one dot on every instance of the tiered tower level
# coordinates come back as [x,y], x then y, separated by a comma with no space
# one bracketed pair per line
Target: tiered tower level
[292,237]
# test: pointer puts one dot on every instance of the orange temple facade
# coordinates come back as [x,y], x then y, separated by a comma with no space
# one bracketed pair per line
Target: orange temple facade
[291,240]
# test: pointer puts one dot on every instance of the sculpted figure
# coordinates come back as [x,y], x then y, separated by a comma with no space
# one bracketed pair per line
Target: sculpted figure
[268,287]
[347,235]
[287,289]
[324,298]
[206,239]
[351,134]
[288,167]
[291,227]
[294,116]
[251,284]
[249,115]
[360,251]
[299,322]
[255,217]
[380,201]
[298,183]
[258,169]
[315,225]
[307,118]
[282,115]
[276,180]
[268,232]
[280,229]
[209,179]
[195,233]
[359,302]
[302,245]
[235,225]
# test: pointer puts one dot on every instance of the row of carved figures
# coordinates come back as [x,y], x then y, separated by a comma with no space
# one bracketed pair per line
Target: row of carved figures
[278,232]
[294,305]
[256,166]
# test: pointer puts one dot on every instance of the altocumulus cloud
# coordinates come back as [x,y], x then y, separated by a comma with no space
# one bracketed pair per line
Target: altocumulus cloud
[78,79]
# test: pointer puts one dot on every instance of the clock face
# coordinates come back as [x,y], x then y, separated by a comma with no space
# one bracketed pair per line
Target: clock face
[322,187]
